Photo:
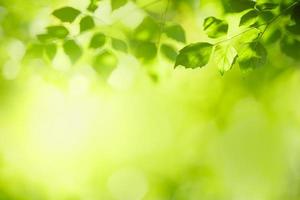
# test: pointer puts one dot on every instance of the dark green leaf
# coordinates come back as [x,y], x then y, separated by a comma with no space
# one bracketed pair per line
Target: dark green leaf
[249,18]
[116,4]
[105,62]
[148,30]
[294,29]
[66,14]
[145,50]
[119,45]
[252,56]
[194,55]
[86,23]
[290,47]
[97,41]
[296,14]
[266,16]
[50,50]
[73,50]
[225,57]
[266,6]
[214,27]
[169,52]
[176,32]
[237,5]
[57,31]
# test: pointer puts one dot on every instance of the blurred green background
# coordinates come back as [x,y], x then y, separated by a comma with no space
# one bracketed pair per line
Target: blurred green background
[65,134]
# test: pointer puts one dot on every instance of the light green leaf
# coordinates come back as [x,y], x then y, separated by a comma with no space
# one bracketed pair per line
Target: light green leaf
[45,38]
[252,56]
[97,41]
[66,14]
[148,30]
[225,57]
[50,50]
[176,32]
[169,52]
[145,51]
[119,45]
[58,31]
[194,55]
[86,23]
[105,62]
[116,4]
[73,50]
[214,27]
[249,18]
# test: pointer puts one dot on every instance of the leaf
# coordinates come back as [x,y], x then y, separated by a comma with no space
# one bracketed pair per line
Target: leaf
[237,5]
[97,41]
[266,16]
[44,38]
[194,55]
[266,6]
[252,56]
[176,32]
[249,18]
[50,51]
[148,30]
[105,62]
[119,45]
[290,47]
[145,50]
[34,51]
[116,4]
[169,52]
[294,29]
[296,14]
[66,14]
[86,23]
[58,31]
[214,27]
[73,50]
[93,6]
[274,36]
[225,57]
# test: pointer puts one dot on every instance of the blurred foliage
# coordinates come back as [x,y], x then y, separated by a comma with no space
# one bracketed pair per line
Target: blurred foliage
[122,99]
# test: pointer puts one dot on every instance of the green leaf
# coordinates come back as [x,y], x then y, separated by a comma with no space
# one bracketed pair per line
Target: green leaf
[266,16]
[266,6]
[116,4]
[93,6]
[294,29]
[50,51]
[105,62]
[57,31]
[86,23]
[237,5]
[145,51]
[148,30]
[249,18]
[214,27]
[296,14]
[290,47]
[225,57]
[34,51]
[194,55]
[176,32]
[97,41]
[169,52]
[44,38]
[274,36]
[73,50]
[119,45]
[252,56]
[66,14]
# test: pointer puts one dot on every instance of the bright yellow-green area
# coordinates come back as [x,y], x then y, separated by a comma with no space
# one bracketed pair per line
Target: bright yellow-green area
[67,134]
